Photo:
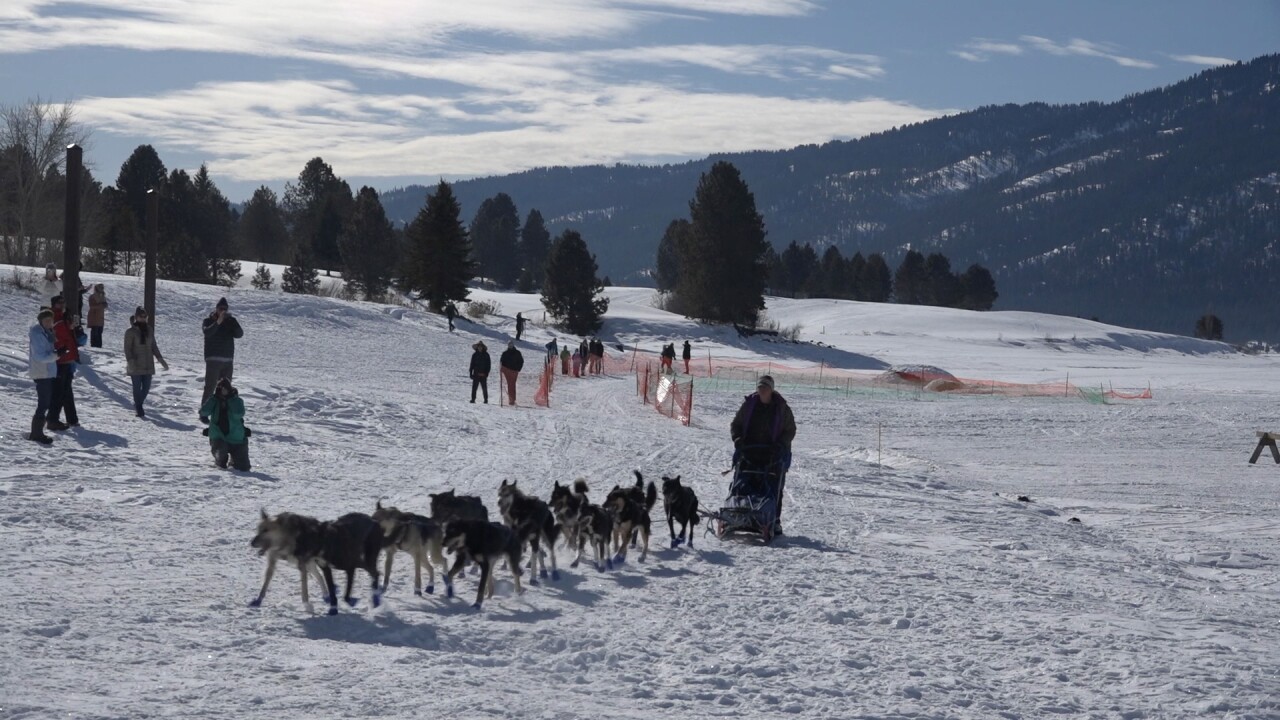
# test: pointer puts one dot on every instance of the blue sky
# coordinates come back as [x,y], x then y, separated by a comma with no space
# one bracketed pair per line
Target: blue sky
[398,91]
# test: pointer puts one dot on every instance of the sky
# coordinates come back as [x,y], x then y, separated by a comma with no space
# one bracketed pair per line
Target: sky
[392,92]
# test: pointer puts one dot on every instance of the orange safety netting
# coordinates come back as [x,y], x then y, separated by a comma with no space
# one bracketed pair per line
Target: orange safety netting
[665,391]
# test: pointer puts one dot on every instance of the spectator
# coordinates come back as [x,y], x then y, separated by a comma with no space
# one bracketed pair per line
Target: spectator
[597,355]
[97,314]
[564,360]
[51,273]
[140,354]
[64,399]
[228,437]
[577,363]
[512,363]
[519,326]
[42,356]
[450,312]
[668,356]
[553,351]
[221,330]
[687,355]
[479,371]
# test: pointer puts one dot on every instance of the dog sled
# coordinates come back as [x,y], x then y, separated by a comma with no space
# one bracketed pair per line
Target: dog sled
[754,495]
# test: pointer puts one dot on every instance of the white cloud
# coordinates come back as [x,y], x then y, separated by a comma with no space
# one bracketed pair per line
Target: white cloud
[268,130]
[1085,48]
[1206,60]
[981,50]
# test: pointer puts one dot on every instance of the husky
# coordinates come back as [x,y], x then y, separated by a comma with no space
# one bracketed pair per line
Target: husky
[567,503]
[681,504]
[483,543]
[418,536]
[296,539]
[448,506]
[350,543]
[631,513]
[534,523]
[595,526]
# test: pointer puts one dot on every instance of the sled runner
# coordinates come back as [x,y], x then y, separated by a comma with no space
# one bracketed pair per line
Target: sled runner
[752,504]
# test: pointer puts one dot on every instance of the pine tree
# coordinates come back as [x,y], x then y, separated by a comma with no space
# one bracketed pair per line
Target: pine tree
[494,234]
[854,275]
[318,206]
[876,284]
[535,243]
[573,292]
[261,230]
[368,247]
[1209,327]
[438,263]
[910,280]
[722,267]
[262,279]
[941,288]
[301,277]
[181,254]
[977,289]
[213,224]
[667,267]
[799,262]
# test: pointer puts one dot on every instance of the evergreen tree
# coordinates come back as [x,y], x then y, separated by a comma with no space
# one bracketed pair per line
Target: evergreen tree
[438,263]
[141,172]
[368,247]
[301,277]
[1209,327]
[212,223]
[181,255]
[573,292]
[773,270]
[942,288]
[799,263]
[909,282]
[494,233]
[667,268]
[854,275]
[876,284]
[318,206]
[977,289]
[535,243]
[722,267]
[262,279]
[262,231]
[831,280]
[116,233]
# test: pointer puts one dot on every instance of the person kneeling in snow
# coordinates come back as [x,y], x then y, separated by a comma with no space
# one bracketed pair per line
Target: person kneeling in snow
[228,437]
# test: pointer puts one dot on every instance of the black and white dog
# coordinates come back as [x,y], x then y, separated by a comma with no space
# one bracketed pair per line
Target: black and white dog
[630,507]
[350,543]
[595,526]
[681,504]
[448,506]
[567,504]
[534,523]
[483,543]
[418,536]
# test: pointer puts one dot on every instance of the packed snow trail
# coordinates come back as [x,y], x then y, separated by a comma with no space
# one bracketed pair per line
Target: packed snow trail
[909,589]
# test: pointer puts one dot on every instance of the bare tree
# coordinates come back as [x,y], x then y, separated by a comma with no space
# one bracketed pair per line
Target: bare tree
[33,141]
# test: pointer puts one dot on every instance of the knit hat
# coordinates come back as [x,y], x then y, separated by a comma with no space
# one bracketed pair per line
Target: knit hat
[222,304]
[44,313]
[139,311]
[478,347]
[56,300]
[766,381]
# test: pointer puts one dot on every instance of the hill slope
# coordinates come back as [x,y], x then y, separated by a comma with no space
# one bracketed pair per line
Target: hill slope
[1144,212]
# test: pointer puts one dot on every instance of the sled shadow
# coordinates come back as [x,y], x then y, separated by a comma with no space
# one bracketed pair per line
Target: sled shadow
[529,615]
[716,557]
[94,438]
[631,582]
[665,572]
[354,626]
[800,541]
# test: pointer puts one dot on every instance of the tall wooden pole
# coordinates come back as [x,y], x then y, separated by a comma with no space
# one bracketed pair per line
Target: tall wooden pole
[71,232]
[153,241]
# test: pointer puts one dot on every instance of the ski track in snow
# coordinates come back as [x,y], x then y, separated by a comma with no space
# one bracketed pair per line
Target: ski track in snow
[919,588]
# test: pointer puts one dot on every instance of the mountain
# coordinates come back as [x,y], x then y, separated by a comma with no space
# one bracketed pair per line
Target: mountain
[1145,212]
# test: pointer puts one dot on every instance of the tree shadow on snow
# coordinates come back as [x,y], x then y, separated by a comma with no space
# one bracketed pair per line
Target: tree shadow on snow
[383,629]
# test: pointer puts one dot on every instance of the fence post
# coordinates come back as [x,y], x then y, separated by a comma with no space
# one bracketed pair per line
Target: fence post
[821,365]
[710,370]
[1066,387]
[634,349]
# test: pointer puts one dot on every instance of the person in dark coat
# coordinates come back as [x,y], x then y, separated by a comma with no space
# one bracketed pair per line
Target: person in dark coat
[450,312]
[597,355]
[479,371]
[228,437]
[512,363]
[519,326]
[668,356]
[221,330]
[67,348]
[763,430]
[687,355]
[553,351]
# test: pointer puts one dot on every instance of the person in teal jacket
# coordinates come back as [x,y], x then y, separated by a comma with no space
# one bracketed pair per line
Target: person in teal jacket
[228,437]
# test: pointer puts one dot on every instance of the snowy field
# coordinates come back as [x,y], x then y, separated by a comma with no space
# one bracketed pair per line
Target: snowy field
[912,587]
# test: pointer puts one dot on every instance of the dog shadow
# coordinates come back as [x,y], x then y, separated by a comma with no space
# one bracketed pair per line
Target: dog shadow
[569,588]
[667,572]
[631,582]
[526,615]
[716,557]
[385,628]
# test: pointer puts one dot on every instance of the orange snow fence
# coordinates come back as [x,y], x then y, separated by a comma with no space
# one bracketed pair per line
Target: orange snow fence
[542,397]
[665,392]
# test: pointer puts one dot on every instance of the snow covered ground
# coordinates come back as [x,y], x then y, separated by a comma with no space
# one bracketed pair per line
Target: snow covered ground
[912,587]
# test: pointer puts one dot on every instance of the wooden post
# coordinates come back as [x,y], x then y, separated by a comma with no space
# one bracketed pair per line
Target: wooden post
[1066,386]
[822,364]
[153,242]
[879,430]
[710,370]
[71,232]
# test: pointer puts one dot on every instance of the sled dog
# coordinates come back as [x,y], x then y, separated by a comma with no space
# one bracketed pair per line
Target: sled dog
[595,526]
[534,524]
[415,535]
[448,506]
[567,504]
[681,504]
[296,539]
[630,507]
[483,543]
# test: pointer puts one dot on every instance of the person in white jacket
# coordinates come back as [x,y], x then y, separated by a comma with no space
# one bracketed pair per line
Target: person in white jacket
[44,369]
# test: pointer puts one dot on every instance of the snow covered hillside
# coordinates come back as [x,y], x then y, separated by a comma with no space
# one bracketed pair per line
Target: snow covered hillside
[911,583]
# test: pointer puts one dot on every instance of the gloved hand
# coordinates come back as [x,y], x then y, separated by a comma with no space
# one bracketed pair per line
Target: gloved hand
[248,433]
[61,350]
[164,365]
[205,432]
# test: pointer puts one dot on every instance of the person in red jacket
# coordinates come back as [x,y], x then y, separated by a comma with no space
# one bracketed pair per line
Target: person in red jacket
[64,344]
